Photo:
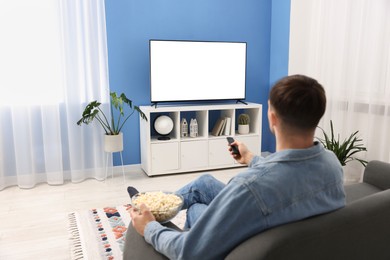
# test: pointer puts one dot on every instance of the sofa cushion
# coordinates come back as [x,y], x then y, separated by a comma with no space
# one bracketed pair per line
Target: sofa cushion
[360,230]
[359,190]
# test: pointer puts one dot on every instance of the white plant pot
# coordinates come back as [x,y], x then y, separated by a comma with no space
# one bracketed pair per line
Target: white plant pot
[353,172]
[243,129]
[113,143]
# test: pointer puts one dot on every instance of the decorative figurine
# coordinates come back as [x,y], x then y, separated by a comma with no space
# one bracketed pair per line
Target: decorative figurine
[184,127]
[193,128]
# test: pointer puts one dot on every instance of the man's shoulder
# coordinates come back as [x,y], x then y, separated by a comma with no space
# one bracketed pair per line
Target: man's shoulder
[280,171]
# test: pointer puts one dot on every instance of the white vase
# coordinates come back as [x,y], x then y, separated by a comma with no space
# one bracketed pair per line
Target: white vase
[113,143]
[243,129]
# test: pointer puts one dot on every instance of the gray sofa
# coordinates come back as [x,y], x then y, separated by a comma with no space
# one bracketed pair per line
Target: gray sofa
[360,230]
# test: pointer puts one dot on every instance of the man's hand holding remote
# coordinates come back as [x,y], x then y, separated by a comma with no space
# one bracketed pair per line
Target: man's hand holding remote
[244,156]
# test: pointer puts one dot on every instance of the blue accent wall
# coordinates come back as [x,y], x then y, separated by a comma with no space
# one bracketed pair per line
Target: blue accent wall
[279,51]
[131,23]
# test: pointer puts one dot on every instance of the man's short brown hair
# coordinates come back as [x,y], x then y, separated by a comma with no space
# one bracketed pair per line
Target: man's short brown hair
[299,101]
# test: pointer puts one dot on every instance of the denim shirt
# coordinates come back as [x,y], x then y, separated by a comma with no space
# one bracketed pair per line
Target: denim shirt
[286,186]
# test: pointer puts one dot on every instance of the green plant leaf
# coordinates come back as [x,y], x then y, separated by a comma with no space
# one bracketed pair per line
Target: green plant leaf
[344,150]
[117,103]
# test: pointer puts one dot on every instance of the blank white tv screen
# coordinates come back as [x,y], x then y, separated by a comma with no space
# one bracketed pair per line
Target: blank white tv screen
[194,70]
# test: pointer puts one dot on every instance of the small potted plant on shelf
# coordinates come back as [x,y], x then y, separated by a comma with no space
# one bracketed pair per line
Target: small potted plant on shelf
[243,123]
[344,150]
[113,140]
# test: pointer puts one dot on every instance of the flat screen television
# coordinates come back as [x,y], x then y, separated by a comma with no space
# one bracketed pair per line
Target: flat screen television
[197,70]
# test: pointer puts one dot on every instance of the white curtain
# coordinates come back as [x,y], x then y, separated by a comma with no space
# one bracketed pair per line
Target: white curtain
[345,44]
[53,62]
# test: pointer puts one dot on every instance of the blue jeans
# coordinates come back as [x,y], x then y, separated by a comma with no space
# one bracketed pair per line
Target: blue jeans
[197,195]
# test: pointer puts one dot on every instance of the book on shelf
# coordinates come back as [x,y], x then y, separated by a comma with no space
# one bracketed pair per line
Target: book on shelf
[228,125]
[221,132]
[218,126]
[222,126]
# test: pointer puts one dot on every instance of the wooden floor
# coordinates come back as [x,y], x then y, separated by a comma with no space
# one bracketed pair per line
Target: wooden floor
[33,222]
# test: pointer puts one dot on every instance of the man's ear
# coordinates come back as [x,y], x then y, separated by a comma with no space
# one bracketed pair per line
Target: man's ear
[273,118]
[271,115]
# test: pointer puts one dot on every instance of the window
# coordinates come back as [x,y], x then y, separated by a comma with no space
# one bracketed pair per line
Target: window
[30,52]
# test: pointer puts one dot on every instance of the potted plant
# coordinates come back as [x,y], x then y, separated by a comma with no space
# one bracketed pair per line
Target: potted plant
[346,149]
[243,123]
[113,140]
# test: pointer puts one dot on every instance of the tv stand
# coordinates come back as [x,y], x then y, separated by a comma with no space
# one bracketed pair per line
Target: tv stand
[240,101]
[182,154]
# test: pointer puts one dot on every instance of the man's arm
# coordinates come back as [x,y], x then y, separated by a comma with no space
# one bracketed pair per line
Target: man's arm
[232,217]
[245,156]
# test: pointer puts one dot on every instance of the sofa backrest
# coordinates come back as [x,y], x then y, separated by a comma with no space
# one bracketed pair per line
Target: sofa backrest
[377,173]
[360,230]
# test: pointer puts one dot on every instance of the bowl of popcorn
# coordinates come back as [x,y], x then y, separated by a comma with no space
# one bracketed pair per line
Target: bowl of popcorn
[163,205]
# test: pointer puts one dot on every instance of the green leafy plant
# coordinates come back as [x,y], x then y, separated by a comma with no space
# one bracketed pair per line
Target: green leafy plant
[346,149]
[92,111]
[243,119]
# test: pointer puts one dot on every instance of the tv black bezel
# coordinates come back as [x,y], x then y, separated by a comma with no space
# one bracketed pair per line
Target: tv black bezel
[154,102]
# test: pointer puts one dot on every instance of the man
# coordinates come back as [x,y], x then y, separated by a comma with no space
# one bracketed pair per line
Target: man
[299,180]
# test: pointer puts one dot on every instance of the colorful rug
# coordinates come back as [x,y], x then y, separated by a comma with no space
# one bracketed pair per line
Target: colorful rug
[100,233]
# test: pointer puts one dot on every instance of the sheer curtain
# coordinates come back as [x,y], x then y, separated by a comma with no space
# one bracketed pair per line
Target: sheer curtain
[53,61]
[346,46]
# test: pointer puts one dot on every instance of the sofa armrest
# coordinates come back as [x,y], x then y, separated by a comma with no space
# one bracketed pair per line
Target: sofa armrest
[359,231]
[377,173]
[136,247]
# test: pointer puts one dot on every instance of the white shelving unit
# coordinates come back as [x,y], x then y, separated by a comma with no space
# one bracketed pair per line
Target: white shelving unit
[188,154]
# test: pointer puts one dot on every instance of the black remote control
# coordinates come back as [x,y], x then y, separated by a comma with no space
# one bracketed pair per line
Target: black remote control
[234,148]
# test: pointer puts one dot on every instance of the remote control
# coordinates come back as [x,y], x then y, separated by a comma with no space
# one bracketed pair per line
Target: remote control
[234,148]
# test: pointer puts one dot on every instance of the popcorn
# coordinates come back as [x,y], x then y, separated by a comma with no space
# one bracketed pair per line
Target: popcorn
[164,206]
